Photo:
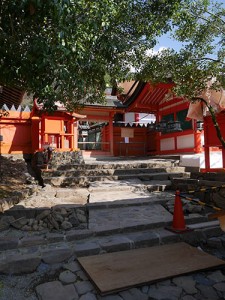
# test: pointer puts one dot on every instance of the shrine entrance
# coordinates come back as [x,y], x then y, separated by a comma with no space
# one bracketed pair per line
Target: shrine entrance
[90,136]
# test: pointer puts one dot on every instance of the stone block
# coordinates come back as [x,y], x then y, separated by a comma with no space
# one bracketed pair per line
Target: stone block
[145,238]
[56,291]
[19,263]
[54,237]
[83,287]
[32,241]
[56,254]
[116,243]
[78,234]
[7,243]
[87,248]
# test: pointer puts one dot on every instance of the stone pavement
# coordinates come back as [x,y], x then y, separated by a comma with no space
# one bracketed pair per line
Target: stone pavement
[54,273]
[68,282]
[122,216]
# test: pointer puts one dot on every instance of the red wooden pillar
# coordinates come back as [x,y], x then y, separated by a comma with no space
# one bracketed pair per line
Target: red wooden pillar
[35,135]
[75,134]
[197,141]
[207,158]
[223,157]
[158,134]
[111,133]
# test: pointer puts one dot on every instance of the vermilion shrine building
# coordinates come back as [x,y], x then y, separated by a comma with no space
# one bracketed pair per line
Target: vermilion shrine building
[107,130]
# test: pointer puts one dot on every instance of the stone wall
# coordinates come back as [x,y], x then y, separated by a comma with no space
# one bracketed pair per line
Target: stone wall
[58,158]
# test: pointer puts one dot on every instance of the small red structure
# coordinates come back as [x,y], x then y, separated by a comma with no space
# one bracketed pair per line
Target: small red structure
[101,128]
[57,129]
[212,143]
[172,132]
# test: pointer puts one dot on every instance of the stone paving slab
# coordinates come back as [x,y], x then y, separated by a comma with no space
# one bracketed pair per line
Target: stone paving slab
[128,217]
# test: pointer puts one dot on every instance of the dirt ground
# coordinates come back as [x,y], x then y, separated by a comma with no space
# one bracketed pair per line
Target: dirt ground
[18,187]
[14,176]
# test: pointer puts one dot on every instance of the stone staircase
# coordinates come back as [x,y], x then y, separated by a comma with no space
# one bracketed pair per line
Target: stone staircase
[81,175]
[129,207]
[113,226]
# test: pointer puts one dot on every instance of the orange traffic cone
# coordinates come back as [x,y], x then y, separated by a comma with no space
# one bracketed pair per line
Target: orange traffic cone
[178,225]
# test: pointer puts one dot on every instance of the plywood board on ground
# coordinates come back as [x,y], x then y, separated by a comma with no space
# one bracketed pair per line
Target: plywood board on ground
[117,271]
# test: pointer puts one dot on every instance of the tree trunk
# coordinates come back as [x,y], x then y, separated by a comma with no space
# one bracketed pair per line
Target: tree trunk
[213,115]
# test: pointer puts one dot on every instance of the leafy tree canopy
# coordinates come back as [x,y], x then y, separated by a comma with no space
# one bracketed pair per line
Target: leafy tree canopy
[199,65]
[200,27]
[61,49]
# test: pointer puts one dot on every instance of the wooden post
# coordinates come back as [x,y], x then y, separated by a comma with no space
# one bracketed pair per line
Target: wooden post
[111,133]
[35,121]
[76,134]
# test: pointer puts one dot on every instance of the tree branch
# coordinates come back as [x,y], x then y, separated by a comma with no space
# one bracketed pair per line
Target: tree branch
[213,115]
[208,58]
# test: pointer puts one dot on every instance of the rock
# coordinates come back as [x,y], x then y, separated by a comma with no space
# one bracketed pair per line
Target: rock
[26,228]
[57,255]
[72,266]
[191,208]
[4,226]
[35,227]
[131,295]
[74,220]
[5,222]
[81,216]
[88,296]
[53,222]
[165,292]
[19,223]
[7,243]
[83,287]
[63,212]
[220,286]
[7,219]
[21,263]
[187,283]
[217,276]
[56,291]
[43,215]
[57,216]
[31,222]
[29,241]
[66,225]
[67,277]
[214,242]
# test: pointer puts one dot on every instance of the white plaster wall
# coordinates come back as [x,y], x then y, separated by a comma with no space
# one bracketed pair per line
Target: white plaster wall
[143,118]
[198,160]
[167,144]
[185,141]
[146,118]
[129,118]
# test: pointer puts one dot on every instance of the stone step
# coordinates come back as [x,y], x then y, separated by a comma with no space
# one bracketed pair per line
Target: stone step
[26,254]
[124,164]
[110,171]
[185,184]
[64,181]
[103,219]
[113,226]
[120,189]
[211,176]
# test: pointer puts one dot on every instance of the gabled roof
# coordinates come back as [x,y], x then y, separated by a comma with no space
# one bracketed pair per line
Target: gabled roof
[146,97]
[111,102]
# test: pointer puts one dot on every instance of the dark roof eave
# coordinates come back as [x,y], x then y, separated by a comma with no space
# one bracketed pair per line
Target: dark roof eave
[135,94]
